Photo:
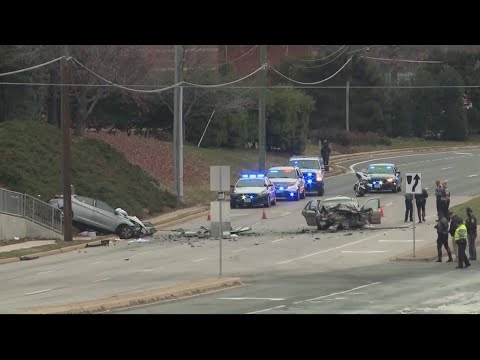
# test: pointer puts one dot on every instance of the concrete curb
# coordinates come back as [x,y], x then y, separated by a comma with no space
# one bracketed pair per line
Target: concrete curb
[421,254]
[52,252]
[139,298]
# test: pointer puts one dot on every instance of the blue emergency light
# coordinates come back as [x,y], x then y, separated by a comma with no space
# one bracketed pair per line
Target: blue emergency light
[281,187]
[252,176]
[309,174]
[309,181]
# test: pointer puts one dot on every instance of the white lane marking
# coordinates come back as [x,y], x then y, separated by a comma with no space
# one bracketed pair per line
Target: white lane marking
[338,293]
[446,168]
[199,260]
[285,214]
[104,279]
[242,249]
[328,250]
[45,272]
[274,241]
[251,298]
[399,240]
[97,262]
[258,223]
[241,214]
[145,252]
[148,270]
[459,153]
[37,292]
[473,175]
[351,167]
[364,252]
[264,310]
[389,204]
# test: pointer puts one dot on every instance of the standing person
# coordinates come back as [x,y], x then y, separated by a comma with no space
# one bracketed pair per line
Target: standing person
[460,238]
[421,201]
[408,207]
[325,152]
[455,220]
[442,239]
[438,194]
[471,224]
[445,198]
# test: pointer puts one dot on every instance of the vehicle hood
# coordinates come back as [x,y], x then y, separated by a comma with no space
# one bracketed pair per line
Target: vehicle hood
[249,190]
[381,176]
[282,180]
[316,171]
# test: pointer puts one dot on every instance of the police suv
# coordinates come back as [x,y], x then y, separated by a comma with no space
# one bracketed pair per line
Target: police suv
[251,190]
[288,181]
[313,173]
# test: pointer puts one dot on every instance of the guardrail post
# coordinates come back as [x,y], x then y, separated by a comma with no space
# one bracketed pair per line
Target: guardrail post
[53,216]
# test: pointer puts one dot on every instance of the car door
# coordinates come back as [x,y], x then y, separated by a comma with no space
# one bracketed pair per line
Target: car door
[310,211]
[83,209]
[374,216]
[104,216]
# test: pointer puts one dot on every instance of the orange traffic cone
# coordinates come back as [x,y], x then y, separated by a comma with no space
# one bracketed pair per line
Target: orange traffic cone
[381,212]
[209,218]
[264,215]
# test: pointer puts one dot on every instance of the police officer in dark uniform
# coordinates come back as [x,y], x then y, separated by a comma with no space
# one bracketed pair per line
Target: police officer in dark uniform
[471,224]
[442,239]
[438,194]
[408,207]
[325,152]
[421,201]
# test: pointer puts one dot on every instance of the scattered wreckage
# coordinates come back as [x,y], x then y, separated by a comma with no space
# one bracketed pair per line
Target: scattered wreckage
[342,212]
[204,232]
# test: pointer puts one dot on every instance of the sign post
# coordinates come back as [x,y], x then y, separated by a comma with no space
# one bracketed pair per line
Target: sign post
[414,186]
[220,182]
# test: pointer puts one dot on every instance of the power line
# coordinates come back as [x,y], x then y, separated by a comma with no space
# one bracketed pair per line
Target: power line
[315,60]
[124,87]
[312,83]
[321,65]
[365,48]
[238,58]
[261,87]
[228,83]
[405,60]
[32,67]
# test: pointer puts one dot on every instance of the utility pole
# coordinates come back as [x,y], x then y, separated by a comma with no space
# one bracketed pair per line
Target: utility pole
[67,157]
[178,124]
[262,154]
[347,94]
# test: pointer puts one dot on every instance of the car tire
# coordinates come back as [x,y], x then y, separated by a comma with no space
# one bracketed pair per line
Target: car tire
[125,232]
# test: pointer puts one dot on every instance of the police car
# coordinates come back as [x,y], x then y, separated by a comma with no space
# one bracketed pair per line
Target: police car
[289,182]
[313,173]
[251,190]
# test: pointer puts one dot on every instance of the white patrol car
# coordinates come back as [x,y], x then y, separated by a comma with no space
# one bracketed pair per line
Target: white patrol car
[289,182]
[251,190]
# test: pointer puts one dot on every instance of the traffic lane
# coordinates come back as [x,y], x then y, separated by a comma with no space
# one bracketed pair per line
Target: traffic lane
[381,289]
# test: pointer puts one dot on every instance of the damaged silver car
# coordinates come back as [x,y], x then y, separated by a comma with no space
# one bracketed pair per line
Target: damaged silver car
[342,212]
[97,214]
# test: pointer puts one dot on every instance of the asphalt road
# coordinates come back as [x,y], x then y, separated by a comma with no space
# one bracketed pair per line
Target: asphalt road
[276,249]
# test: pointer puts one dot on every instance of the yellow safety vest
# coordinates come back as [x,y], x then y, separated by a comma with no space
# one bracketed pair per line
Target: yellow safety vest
[460,233]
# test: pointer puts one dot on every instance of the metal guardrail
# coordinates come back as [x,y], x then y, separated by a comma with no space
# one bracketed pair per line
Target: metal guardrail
[28,207]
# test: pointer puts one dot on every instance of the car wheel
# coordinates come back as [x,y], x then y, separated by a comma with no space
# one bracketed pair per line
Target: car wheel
[125,232]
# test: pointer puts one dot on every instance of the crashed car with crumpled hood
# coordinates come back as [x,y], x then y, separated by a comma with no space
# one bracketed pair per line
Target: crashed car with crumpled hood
[97,214]
[342,212]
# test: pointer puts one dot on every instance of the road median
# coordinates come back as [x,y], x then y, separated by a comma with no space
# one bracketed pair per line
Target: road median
[140,298]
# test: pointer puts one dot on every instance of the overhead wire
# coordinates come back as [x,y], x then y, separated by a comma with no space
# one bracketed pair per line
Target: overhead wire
[312,83]
[315,60]
[32,67]
[321,65]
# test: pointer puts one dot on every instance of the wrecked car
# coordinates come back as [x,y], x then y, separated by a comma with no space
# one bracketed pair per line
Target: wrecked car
[342,212]
[97,214]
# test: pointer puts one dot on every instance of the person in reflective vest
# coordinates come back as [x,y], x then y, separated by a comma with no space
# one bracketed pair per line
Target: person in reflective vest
[460,238]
